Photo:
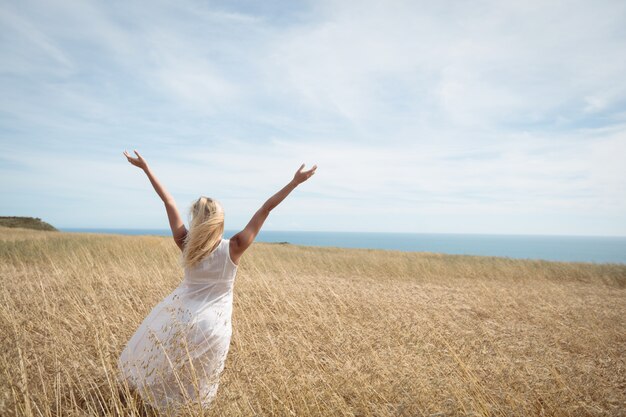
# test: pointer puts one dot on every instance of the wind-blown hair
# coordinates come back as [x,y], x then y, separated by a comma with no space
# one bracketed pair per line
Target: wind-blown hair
[206,228]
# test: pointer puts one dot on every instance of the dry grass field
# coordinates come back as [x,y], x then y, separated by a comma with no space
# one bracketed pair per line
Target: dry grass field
[319,331]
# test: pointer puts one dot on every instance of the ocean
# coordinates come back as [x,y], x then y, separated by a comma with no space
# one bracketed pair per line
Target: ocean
[594,249]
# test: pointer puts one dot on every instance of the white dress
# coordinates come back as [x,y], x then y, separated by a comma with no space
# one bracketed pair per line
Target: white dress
[178,353]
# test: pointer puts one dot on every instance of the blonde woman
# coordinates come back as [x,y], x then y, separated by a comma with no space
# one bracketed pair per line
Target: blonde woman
[178,352]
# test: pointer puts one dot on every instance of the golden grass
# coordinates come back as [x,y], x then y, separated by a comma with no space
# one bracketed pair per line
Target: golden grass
[319,331]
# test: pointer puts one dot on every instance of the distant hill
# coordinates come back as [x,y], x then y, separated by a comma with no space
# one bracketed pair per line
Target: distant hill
[26,223]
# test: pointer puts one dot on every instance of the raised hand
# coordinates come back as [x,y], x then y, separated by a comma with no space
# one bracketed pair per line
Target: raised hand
[301,176]
[138,162]
[242,240]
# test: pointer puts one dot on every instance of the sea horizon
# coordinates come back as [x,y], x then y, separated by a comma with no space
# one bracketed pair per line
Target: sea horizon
[564,248]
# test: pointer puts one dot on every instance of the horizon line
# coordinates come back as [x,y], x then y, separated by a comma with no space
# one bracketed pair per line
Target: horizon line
[353,231]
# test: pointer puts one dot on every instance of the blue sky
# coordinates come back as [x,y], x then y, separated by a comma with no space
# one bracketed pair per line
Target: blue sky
[452,117]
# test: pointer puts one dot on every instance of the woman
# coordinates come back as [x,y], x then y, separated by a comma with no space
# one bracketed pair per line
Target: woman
[178,352]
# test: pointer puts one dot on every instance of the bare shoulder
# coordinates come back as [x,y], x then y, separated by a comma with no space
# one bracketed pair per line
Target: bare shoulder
[240,242]
[234,250]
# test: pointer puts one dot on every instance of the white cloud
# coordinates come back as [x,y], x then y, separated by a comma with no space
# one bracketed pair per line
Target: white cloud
[456,113]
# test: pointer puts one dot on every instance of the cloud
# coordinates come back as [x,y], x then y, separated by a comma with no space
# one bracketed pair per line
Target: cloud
[497,64]
[451,112]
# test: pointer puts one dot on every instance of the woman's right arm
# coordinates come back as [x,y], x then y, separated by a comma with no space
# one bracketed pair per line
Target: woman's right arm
[242,240]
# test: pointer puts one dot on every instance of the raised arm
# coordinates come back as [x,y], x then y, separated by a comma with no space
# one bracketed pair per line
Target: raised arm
[179,231]
[242,240]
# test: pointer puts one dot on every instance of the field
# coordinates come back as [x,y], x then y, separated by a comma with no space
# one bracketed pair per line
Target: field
[319,331]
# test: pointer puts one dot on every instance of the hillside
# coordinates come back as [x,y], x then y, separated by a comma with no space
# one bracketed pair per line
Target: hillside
[26,223]
[320,331]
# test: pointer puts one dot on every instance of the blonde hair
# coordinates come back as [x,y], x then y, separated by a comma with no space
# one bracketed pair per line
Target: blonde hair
[206,228]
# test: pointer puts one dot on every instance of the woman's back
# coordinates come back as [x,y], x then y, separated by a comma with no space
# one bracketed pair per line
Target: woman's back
[215,267]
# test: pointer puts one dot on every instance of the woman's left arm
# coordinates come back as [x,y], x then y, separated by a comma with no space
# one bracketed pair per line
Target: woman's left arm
[179,231]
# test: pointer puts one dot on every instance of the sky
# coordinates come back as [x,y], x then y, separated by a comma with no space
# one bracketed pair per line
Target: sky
[424,117]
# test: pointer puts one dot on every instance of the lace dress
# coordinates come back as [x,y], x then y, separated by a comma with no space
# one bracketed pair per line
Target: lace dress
[178,352]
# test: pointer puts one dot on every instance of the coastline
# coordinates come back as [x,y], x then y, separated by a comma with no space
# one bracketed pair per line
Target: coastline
[586,249]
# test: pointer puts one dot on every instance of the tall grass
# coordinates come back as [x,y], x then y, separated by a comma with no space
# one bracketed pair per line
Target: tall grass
[319,331]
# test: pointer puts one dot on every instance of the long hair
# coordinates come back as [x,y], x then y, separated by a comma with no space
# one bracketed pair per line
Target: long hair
[206,228]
